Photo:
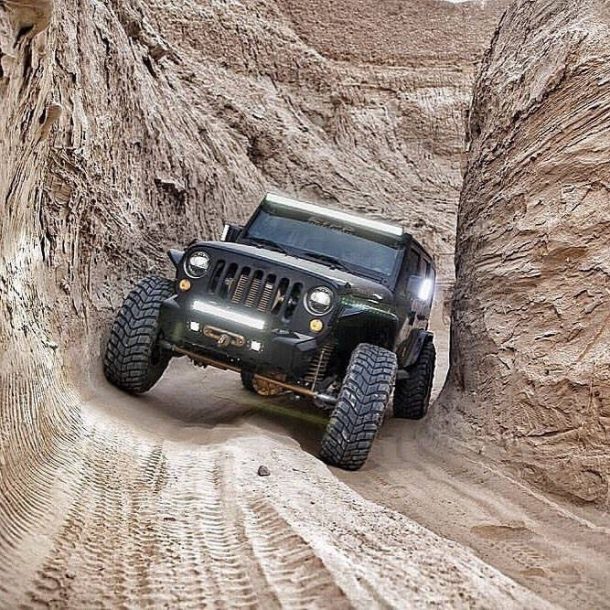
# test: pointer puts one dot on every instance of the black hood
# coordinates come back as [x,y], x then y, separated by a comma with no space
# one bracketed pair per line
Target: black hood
[342,280]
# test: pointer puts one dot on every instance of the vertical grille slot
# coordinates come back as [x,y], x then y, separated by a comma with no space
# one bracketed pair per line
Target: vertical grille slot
[293,300]
[241,285]
[268,289]
[227,280]
[215,277]
[280,295]
[254,290]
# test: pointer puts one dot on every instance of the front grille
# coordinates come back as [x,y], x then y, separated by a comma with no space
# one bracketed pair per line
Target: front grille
[267,292]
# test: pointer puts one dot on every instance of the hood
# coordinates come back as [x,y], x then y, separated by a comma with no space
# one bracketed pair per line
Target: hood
[348,282]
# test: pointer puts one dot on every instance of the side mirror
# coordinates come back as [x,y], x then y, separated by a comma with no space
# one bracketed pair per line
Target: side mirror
[422,288]
[231,232]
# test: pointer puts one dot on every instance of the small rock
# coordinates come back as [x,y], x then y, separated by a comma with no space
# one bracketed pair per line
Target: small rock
[263,471]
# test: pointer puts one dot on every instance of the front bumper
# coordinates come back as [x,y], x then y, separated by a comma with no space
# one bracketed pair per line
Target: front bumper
[268,350]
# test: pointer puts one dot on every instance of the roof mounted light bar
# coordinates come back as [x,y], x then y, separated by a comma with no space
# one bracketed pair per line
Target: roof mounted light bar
[373,225]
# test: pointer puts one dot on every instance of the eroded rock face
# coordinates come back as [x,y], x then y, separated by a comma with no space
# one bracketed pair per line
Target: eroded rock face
[530,366]
[127,127]
[151,123]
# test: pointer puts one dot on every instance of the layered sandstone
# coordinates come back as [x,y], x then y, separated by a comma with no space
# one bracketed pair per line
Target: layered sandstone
[129,126]
[530,368]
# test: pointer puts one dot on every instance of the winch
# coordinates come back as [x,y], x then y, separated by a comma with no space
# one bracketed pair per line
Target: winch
[224,338]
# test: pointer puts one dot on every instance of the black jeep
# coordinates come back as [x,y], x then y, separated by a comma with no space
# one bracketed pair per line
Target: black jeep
[303,298]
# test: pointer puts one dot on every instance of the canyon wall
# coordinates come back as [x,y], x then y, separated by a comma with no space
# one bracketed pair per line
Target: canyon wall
[530,363]
[127,127]
[148,124]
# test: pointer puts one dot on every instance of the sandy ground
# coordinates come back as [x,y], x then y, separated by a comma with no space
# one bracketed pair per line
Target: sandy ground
[558,553]
[159,504]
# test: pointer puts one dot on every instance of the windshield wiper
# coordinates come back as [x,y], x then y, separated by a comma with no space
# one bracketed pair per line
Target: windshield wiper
[261,242]
[334,262]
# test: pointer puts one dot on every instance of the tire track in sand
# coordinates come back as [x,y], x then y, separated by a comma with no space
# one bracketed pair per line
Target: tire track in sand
[146,522]
[191,527]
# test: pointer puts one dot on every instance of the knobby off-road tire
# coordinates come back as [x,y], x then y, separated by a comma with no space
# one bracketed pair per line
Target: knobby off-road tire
[358,415]
[133,360]
[412,396]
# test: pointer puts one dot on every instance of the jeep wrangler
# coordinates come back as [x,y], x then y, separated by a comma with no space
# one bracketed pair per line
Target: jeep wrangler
[305,299]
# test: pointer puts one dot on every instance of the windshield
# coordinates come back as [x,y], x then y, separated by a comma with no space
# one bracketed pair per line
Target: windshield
[322,240]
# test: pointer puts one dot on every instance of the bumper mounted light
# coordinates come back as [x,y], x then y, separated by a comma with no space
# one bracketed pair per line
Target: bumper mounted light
[226,314]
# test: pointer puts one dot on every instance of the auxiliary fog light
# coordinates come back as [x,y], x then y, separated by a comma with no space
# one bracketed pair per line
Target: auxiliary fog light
[316,325]
[184,285]
[256,346]
[195,326]
[233,316]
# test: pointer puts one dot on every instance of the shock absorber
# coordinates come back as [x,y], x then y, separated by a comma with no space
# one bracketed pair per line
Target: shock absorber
[319,365]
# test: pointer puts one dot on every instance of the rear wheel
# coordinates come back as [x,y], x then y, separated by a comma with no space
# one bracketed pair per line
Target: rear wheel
[133,360]
[364,396]
[412,396]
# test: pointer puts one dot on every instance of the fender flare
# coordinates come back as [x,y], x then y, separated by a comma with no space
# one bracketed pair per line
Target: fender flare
[175,256]
[411,347]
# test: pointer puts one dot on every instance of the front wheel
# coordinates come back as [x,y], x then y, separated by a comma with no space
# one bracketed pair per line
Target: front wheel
[412,395]
[364,397]
[133,360]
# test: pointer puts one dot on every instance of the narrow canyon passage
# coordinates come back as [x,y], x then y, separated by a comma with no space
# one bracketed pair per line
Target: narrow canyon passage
[131,126]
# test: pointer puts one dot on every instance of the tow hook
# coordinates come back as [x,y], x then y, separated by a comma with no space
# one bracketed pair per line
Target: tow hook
[223,341]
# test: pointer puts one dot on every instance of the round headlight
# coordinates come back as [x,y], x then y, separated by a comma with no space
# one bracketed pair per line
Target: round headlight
[197,264]
[319,301]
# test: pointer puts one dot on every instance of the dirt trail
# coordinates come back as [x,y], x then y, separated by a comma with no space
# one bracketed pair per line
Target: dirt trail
[158,503]
[155,501]
[199,505]
[558,552]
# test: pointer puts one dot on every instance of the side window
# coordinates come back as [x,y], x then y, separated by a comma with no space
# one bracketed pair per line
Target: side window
[423,267]
[414,262]
[412,268]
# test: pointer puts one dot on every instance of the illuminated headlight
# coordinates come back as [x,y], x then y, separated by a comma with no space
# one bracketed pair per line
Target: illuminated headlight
[319,301]
[426,288]
[197,264]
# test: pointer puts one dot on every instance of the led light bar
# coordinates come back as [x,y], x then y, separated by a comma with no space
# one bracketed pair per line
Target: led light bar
[374,225]
[234,316]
